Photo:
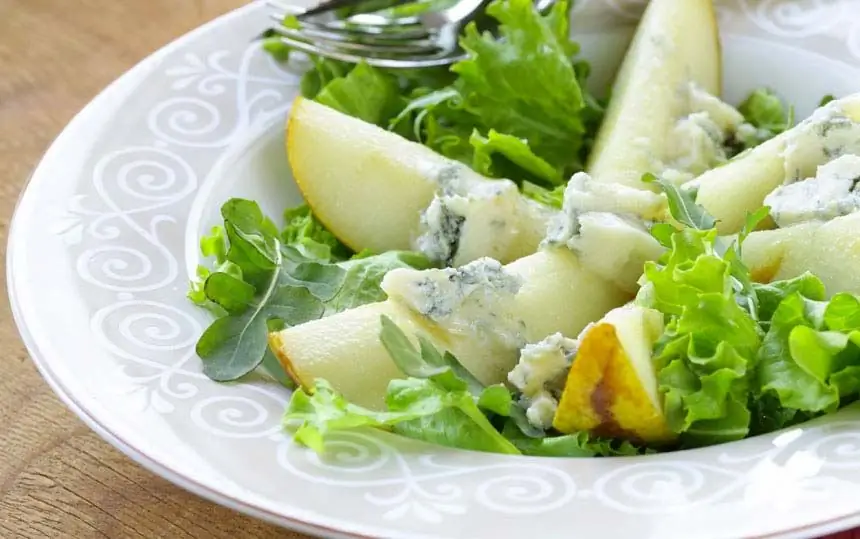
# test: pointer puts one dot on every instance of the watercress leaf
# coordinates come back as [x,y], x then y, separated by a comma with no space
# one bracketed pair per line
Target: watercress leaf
[234,295]
[322,280]
[272,366]
[233,346]
[364,274]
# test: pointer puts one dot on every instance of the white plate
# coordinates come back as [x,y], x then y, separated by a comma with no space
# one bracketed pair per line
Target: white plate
[104,240]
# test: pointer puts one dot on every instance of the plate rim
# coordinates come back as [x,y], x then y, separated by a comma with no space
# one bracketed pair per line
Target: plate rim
[120,85]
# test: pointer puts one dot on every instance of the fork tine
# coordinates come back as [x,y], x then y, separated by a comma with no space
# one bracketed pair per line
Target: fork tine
[385,63]
[365,34]
[333,5]
[342,41]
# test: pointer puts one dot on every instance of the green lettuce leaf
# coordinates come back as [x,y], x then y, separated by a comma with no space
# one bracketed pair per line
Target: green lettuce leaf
[439,402]
[707,353]
[505,156]
[810,360]
[366,93]
[523,82]
[579,445]
[764,110]
[302,231]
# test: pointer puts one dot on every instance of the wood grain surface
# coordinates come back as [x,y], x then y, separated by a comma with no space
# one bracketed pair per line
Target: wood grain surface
[57,478]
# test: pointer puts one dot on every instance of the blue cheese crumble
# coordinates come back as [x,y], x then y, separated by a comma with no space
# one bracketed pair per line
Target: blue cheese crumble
[540,376]
[699,140]
[471,217]
[605,225]
[475,299]
[832,193]
[821,138]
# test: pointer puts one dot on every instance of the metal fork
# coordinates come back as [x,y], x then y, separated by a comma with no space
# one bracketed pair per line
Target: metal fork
[429,39]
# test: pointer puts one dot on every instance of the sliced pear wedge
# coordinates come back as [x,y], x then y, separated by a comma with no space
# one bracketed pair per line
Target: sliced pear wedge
[829,250]
[349,170]
[739,187]
[676,43]
[611,389]
[557,295]
[368,186]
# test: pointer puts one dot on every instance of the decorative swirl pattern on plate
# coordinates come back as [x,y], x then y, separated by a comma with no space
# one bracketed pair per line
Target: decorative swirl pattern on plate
[124,230]
[793,18]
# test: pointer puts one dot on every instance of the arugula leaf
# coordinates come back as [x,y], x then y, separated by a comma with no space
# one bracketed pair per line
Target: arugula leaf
[272,367]
[826,99]
[425,362]
[233,294]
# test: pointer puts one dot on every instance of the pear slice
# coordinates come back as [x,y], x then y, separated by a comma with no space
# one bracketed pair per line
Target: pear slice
[676,43]
[739,187]
[349,170]
[368,186]
[830,250]
[611,389]
[557,295]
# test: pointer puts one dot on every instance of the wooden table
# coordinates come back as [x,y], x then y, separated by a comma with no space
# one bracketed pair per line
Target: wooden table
[58,479]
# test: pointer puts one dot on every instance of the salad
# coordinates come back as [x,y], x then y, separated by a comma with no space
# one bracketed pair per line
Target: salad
[491,257]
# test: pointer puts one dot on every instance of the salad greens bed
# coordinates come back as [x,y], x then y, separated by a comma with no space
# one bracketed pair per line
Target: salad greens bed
[736,359]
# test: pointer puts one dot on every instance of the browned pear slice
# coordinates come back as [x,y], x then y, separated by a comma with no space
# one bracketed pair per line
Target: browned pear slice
[611,389]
